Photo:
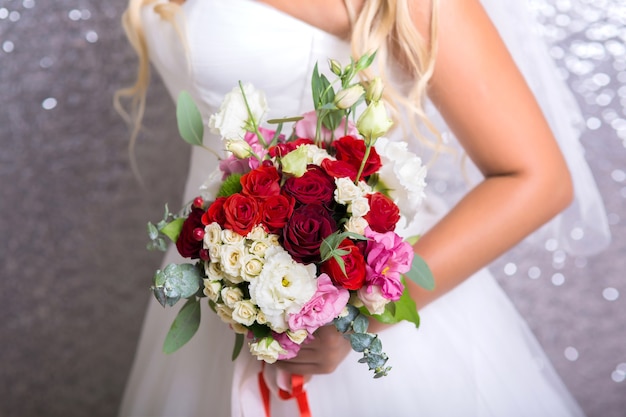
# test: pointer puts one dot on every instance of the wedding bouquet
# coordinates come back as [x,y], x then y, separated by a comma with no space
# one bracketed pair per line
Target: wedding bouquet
[296,232]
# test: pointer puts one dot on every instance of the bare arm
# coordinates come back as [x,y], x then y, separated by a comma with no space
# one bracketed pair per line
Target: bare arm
[485,101]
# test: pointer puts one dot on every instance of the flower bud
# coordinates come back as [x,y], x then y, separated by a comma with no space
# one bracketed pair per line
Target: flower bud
[374,122]
[335,67]
[348,97]
[374,90]
[240,148]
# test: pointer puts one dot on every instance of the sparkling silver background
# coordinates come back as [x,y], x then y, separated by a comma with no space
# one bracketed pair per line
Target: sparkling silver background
[74,273]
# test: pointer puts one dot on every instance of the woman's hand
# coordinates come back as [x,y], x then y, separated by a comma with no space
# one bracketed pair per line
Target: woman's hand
[322,355]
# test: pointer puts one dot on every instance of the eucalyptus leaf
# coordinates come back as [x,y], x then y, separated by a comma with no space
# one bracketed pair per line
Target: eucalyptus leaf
[344,323]
[421,274]
[176,281]
[360,324]
[360,341]
[153,232]
[190,125]
[173,228]
[184,326]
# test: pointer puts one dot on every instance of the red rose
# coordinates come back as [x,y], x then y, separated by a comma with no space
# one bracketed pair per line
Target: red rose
[305,230]
[261,182]
[275,211]
[283,149]
[383,215]
[315,186]
[339,169]
[189,242]
[215,212]
[241,213]
[352,151]
[354,264]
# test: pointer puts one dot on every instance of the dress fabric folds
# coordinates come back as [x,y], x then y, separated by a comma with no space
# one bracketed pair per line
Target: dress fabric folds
[473,354]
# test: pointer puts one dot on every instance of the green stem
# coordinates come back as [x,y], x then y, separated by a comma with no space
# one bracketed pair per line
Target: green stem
[251,121]
[368,148]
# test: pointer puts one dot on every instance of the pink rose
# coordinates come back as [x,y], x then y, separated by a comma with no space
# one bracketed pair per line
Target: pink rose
[326,304]
[306,127]
[286,343]
[387,257]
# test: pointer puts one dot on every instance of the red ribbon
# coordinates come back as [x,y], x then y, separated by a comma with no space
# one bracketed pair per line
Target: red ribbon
[298,392]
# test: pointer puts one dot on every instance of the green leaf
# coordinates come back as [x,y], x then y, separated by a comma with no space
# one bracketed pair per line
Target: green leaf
[190,125]
[230,186]
[173,228]
[184,326]
[284,120]
[405,309]
[238,345]
[420,273]
[360,324]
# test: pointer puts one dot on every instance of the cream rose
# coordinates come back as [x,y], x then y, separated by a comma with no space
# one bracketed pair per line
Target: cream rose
[244,312]
[212,289]
[231,295]
[266,349]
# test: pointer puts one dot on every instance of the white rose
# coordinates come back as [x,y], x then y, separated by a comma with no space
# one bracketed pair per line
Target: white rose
[372,299]
[315,154]
[403,174]
[359,207]
[283,286]
[356,225]
[212,289]
[213,271]
[257,233]
[298,336]
[230,296]
[225,313]
[233,118]
[244,312]
[258,247]
[252,266]
[231,256]
[266,349]
[212,235]
[346,190]
[230,237]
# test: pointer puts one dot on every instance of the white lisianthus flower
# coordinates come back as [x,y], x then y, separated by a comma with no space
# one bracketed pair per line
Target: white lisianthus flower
[231,257]
[267,349]
[298,336]
[239,147]
[359,207]
[315,154]
[244,312]
[230,237]
[373,122]
[251,267]
[403,175]
[283,286]
[231,295]
[213,271]
[212,289]
[233,120]
[356,225]
[373,299]
[211,186]
[346,191]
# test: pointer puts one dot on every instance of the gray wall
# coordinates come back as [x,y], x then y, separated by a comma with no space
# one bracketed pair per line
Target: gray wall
[74,274]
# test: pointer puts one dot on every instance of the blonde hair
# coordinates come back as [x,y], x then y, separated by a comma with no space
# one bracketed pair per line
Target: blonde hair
[136,93]
[386,26]
[382,25]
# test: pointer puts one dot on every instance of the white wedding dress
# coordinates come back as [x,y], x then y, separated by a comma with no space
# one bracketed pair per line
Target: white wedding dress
[473,355]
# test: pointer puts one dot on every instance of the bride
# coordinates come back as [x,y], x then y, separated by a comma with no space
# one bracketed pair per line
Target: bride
[452,78]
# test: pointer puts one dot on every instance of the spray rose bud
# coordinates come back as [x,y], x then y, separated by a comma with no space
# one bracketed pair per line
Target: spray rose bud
[240,148]
[348,97]
[374,90]
[335,67]
[374,122]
